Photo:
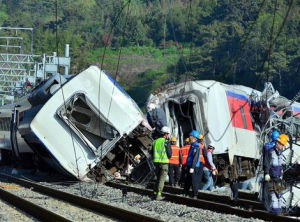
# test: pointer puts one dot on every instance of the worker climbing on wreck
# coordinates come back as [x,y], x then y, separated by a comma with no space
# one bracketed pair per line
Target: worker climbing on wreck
[273,161]
[194,164]
[174,163]
[162,152]
[274,135]
[157,119]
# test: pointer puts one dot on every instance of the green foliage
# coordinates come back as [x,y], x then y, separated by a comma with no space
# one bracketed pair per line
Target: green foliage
[167,40]
[3,14]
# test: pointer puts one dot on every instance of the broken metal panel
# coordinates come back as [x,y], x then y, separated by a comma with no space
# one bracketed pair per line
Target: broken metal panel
[74,127]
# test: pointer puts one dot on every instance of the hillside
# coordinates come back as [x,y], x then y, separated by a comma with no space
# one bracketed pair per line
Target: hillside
[160,41]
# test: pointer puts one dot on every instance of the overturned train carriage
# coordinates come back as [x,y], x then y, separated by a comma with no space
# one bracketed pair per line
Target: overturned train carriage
[87,128]
[222,113]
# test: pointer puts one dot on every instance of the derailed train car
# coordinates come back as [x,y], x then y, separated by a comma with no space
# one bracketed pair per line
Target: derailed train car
[223,113]
[85,127]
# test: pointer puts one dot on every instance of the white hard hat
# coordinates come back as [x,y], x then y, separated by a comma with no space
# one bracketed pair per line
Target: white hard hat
[165,129]
[211,145]
[151,106]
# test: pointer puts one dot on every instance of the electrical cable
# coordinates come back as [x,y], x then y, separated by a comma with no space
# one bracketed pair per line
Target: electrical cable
[271,37]
[269,50]
[118,64]
[62,91]
[175,39]
[115,22]
[246,38]
[188,27]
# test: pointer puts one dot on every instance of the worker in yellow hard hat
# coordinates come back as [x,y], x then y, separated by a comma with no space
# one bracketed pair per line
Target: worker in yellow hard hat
[273,161]
[201,139]
[174,163]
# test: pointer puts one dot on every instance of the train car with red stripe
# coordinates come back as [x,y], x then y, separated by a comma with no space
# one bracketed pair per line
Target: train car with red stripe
[222,113]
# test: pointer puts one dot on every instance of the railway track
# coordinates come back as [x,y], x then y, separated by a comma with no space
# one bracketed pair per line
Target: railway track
[246,201]
[214,205]
[87,204]
[242,194]
[30,208]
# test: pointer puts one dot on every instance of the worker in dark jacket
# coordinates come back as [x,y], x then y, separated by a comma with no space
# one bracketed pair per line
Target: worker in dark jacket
[194,165]
[174,163]
[161,153]
[156,118]
[273,161]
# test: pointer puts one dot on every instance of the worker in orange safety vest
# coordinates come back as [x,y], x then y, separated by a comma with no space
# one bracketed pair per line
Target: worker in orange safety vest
[184,154]
[174,163]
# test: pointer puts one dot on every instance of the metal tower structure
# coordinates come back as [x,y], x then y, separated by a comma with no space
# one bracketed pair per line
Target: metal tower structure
[20,68]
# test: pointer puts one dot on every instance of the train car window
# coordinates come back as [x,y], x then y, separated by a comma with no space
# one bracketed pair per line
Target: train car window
[5,123]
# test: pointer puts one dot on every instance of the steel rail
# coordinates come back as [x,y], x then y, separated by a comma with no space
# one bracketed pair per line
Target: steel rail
[30,208]
[204,204]
[242,194]
[240,202]
[92,205]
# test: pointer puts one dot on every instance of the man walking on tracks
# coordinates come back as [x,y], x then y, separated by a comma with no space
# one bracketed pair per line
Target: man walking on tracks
[209,168]
[174,163]
[161,153]
[194,164]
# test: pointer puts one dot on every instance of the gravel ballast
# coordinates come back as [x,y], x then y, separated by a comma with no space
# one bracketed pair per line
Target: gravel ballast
[61,208]
[163,210]
[10,213]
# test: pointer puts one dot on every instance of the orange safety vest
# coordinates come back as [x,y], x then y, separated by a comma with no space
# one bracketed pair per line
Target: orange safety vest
[185,153]
[201,157]
[175,155]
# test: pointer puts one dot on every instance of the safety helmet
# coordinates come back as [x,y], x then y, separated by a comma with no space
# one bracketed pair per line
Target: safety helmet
[201,137]
[211,146]
[173,139]
[151,106]
[275,134]
[165,129]
[195,134]
[283,139]
[187,140]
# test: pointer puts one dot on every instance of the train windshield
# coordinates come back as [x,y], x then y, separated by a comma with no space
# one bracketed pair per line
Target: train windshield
[86,122]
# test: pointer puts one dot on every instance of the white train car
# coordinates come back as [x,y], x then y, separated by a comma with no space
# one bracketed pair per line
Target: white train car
[223,114]
[75,128]
[10,152]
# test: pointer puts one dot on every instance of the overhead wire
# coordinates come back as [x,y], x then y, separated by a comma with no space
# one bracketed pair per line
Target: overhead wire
[246,38]
[271,37]
[182,59]
[62,92]
[118,63]
[268,51]
[190,54]
[115,22]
